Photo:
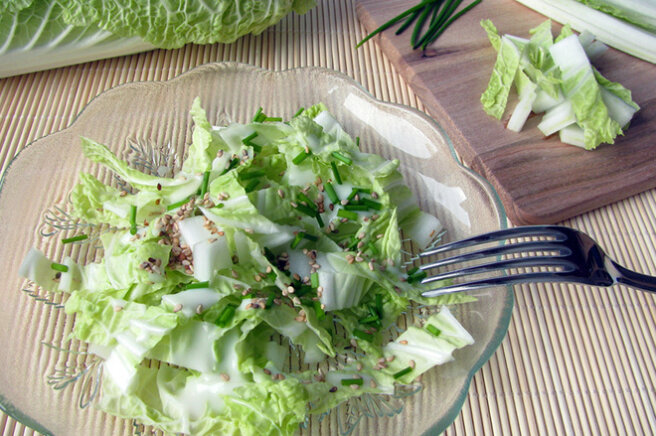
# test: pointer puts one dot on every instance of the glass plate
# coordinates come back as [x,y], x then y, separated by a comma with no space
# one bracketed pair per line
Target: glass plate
[43,386]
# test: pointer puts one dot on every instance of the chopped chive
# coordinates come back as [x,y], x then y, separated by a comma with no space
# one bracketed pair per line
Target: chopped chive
[330,191]
[59,267]
[379,305]
[314,279]
[251,185]
[416,275]
[306,199]
[360,207]
[271,119]
[259,116]
[363,335]
[372,204]
[233,163]
[370,319]
[347,214]
[74,239]
[433,330]
[352,381]
[252,174]
[269,301]
[197,285]
[321,314]
[307,210]
[300,157]
[203,186]
[338,178]
[297,240]
[302,235]
[319,219]
[357,141]
[133,219]
[177,204]
[269,255]
[298,112]
[309,237]
[371,247]
[219,206]
[353,193]
[403,372]
[340,156]
[303,290]
[249,138]
[226,315]
[249,142]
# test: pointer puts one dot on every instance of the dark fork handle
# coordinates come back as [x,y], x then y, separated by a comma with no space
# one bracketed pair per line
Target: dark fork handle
[631,278]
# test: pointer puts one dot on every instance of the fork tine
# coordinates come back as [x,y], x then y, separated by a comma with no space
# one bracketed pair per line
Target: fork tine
[523,262]
[499,235]
[500,250]
[494,281]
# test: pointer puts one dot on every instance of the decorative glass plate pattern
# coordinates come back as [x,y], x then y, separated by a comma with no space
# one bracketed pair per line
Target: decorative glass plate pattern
[48,381]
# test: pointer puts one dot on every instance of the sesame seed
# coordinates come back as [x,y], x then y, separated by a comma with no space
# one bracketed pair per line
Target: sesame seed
[412,364]
[355,387]
[359,366]
[290,289]
[225,377]
[118,308]
[177,308]
[199,309]
[403,342]
[373,384]
[333,389]
[390,358]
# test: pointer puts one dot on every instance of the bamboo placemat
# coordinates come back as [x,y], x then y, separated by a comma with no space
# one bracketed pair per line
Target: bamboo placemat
[576,360]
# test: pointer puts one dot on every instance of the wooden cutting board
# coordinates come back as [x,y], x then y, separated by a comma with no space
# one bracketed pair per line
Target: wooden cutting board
[539,180]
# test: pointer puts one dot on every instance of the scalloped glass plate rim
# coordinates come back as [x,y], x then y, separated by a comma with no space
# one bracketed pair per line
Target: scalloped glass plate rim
[446,420]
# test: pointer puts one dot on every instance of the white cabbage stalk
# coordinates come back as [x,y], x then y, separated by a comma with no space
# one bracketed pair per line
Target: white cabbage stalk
[608,29]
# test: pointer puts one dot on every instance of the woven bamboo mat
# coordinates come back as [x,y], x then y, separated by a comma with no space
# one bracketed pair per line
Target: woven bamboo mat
[576,360]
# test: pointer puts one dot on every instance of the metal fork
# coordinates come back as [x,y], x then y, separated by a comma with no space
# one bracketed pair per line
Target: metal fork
[570,256]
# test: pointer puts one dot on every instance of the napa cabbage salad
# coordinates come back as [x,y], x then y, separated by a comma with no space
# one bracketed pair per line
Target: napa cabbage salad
[277,242]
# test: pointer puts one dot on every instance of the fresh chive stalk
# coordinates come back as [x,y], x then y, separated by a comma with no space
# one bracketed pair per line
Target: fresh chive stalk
[299,112]
[395,20]
[269,301]
[371,319]
[442,14]
[59,267]
[133,219]
[307,210]
[272,119]
[401,373]
[74,239]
